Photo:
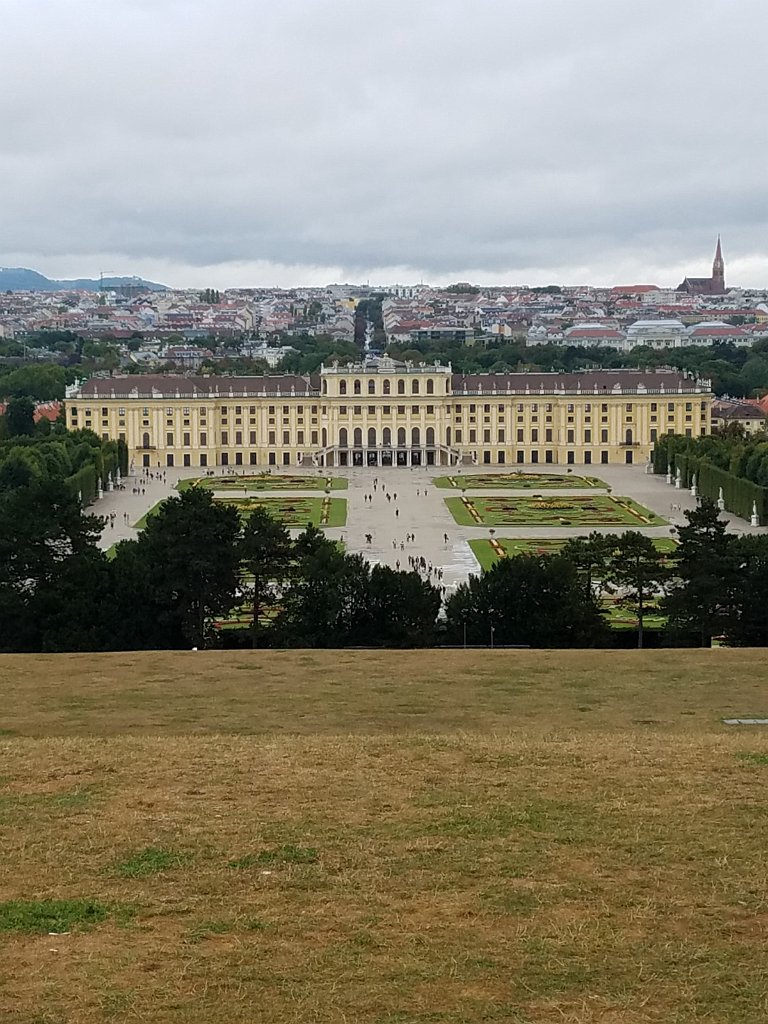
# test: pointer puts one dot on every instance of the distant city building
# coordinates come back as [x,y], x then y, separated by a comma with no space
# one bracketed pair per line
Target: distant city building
[714,285]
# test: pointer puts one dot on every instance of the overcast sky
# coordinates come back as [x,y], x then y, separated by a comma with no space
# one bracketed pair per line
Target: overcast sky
[245,142]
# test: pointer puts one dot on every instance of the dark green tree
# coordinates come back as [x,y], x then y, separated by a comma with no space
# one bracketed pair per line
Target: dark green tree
[705,572]
[533,600]
[53,579]
[190,549]
[265,552]
[748,613]
[20,417]
[592,557]
[639,570]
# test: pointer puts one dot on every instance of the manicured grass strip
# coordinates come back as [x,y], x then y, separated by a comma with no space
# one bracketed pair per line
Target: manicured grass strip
[552,510]
[141,523]
[519,481]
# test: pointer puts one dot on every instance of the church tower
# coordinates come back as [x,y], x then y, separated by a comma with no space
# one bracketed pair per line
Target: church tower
[717,285]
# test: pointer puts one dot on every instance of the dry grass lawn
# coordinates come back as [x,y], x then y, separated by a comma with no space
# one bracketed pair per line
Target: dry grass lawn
[384,838]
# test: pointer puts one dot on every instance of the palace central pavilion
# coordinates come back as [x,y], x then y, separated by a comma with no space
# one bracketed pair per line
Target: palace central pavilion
[383,413]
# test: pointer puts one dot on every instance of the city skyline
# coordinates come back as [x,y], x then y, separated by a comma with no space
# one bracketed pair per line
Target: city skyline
[567,143]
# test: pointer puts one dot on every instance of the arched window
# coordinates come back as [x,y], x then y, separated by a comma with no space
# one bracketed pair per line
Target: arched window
[401,387]
[448,435]
[145,441]
[629,436]
[371,387]
[386,387]
[371,437]
[343,442]
[430,437]
[342,387]
[430,387]
[414,387]
[356,387]
[415,437]
[325,437]
[325,387]
[401,436]
[386,437]
[358,437]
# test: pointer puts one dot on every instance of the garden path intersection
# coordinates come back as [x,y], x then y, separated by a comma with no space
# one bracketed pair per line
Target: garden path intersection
[389,506]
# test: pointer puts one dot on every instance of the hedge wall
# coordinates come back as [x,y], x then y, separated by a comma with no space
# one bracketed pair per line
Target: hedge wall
[84,483]
[739,494]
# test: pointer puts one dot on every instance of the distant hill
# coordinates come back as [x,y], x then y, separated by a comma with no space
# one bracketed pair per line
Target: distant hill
[19,279]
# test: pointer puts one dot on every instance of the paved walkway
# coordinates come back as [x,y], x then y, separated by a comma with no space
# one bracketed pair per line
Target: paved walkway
[404,502]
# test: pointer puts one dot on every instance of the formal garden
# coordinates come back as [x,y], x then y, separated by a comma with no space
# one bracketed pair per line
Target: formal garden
[488,551]
[519,481]
[556,511]
[266,482]
[293,513]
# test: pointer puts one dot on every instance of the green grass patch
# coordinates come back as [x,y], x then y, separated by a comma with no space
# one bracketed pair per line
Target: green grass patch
[152,860]
[286,854]
[519,481]
[753,757]
[141,523]
[38,917]
[559,511]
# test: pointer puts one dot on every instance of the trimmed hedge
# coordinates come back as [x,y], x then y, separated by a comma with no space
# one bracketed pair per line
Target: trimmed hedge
[739,494]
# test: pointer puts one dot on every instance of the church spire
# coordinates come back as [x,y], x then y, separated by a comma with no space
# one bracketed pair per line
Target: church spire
[718,271]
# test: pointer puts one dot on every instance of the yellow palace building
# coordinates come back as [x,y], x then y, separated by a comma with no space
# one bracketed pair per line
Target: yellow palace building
[383,413]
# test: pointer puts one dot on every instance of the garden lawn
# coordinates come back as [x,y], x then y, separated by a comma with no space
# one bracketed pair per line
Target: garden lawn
[518,481]
[555,510]
[438,837]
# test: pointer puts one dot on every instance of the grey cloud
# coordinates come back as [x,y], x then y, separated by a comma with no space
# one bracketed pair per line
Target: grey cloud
[503,137]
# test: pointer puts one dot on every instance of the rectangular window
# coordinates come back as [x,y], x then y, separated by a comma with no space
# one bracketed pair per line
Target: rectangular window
[401,410]
[238,410]
[203,460]
[187,440]
[225,437]
[604,458]
[519,437]
[203,439]
[371,410]
[387,410]
[501,437]
[570,437]
[272,439]
[169,440]
[238,437]
[252,437]
[587,458]
[286,437]
[314,437]
[587,437]
[415,410]
[472,436]
[653,406]
[534,435]
[430,410]
[604,436]
[458,436]
[548,434]
[486,437]
[343,410]
[358,410]
[654,434]
[521,456]
[300,437]
[534,456]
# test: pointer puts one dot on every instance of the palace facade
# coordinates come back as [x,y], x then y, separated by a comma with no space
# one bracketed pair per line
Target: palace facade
[383,413]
